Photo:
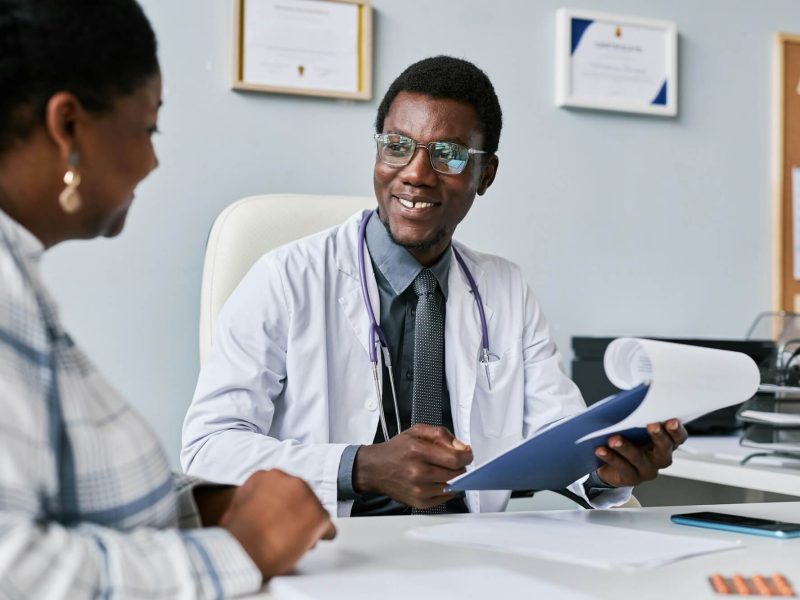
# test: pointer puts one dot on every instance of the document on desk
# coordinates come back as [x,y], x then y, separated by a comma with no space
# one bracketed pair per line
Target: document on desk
[571,540]
[442,584]
[661,380]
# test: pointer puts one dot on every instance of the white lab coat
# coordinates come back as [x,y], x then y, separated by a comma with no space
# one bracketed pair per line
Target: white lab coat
[288,382]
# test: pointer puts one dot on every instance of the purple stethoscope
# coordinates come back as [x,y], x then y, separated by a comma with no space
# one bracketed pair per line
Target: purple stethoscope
[377,339]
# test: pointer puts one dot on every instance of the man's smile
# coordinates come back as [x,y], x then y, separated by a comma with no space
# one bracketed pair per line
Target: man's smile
[414,202]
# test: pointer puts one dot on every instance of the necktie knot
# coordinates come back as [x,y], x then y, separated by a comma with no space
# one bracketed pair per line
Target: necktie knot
[425,283]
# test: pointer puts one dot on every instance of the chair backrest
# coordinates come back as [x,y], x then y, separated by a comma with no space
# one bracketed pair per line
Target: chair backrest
[252,226]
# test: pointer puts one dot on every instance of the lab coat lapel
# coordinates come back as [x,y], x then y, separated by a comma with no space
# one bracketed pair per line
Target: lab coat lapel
[463,341]
[351,302]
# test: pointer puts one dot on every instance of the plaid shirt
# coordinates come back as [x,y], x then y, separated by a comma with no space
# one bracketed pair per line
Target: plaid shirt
[88,505]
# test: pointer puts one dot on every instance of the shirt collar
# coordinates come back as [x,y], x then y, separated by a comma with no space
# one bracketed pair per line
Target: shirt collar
[397,264]
[27,244]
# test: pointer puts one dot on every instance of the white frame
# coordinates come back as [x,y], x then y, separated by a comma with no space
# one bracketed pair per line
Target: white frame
[564,95]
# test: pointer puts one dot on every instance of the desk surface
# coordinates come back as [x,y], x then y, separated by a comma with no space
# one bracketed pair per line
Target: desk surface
[716,460]
[379,543]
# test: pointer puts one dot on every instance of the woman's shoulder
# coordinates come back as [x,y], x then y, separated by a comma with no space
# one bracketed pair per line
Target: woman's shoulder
[21,319]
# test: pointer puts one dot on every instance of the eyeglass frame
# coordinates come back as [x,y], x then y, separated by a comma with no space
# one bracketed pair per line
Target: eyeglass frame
[418,145]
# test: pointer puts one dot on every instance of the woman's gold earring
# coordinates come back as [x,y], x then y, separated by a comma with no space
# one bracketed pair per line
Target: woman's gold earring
[70,198]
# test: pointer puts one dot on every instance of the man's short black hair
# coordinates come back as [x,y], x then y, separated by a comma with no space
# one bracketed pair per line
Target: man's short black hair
[97,49]
[455,79]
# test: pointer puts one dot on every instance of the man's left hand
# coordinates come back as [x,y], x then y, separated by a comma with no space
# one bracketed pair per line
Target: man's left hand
[628,464]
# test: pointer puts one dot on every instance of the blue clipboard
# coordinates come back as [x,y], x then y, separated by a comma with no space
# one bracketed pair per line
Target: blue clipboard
[551,460]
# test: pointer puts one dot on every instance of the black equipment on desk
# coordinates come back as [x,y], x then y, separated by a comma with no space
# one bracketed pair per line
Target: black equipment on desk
[590,376]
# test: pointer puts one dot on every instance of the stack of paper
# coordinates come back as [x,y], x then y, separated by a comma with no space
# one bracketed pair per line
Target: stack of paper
[771,411]
[773,423]
[772,418]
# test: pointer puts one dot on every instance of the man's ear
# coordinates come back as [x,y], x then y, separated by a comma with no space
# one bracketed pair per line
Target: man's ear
[488,174]
[62,113]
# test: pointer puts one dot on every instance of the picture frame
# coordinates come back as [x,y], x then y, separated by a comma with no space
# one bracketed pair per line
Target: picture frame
[785,176]
[616,63]
[305,47]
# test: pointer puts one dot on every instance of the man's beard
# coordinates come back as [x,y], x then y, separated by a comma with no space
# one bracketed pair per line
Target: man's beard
[423,245]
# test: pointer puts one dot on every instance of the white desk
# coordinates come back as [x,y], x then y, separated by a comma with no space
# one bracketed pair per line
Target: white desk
[379,543]
[716,460]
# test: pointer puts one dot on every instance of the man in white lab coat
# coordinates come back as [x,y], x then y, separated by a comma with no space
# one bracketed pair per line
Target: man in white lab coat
[289,382]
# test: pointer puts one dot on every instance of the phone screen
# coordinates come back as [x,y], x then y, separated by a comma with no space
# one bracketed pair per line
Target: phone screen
[725,521]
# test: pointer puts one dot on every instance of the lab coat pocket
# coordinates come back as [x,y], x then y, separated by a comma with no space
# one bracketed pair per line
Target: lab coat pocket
[498,395]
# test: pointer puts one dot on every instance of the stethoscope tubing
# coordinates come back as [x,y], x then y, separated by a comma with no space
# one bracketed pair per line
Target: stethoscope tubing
[377,338]
[478,300]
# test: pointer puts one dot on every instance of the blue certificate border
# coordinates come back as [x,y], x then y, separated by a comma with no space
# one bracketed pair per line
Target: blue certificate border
[573,24]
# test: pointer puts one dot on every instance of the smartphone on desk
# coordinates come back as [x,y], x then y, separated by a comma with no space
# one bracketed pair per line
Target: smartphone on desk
[739,524]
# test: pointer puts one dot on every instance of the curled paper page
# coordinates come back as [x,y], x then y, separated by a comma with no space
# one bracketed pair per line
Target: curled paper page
[685,381]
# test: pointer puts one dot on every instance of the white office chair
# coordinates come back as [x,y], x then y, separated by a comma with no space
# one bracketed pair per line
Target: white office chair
[252,226]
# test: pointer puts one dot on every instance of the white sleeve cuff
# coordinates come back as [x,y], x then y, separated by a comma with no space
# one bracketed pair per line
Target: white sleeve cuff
[608,499]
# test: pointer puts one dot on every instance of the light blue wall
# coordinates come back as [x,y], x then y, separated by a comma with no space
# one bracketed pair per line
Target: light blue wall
[623,224]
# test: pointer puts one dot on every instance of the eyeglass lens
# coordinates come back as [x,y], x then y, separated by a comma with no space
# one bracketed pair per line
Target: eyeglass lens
[446,157]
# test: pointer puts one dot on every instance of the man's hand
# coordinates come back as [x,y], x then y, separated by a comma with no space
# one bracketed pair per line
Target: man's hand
[413,467]
[276,518]
[629,464]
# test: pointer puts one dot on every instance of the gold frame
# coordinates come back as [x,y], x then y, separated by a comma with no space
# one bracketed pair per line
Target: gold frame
[364,91]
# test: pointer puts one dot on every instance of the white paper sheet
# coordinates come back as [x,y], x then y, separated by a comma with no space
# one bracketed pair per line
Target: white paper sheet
[571,540]
[781,391]
[302,43]
[441,584]
[796,222]
[685,381]
[773,418]
[628,63]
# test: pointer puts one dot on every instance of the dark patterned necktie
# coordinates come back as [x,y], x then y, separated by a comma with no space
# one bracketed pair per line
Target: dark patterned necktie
[426,405]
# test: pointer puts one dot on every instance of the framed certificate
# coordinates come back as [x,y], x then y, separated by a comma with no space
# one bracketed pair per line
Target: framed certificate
[786,174]
[308,47]
[612,62]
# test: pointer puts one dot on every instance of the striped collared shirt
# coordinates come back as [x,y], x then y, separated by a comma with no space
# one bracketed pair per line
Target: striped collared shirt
[88,505]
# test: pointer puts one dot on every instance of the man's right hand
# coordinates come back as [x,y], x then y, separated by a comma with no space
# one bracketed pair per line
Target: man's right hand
[276,518]
[413,467]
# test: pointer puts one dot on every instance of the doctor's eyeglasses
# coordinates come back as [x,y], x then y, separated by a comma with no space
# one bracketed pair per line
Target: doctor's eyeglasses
[447,158]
